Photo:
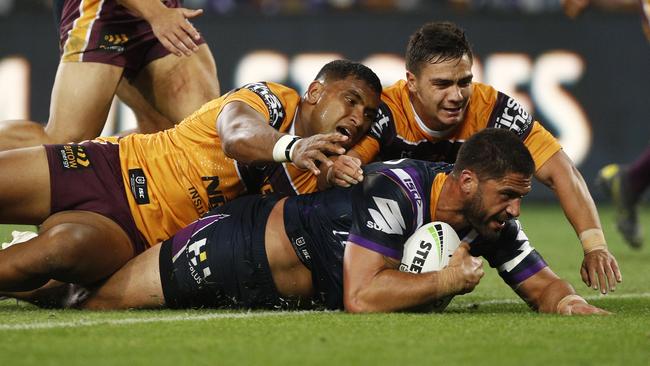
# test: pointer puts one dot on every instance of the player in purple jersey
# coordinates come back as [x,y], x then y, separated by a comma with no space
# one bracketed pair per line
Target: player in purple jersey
[168,70]
[341,248]
[625,185]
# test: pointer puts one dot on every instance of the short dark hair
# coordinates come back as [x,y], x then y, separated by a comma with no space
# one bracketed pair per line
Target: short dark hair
[436,42]
[494,152]
[341,69]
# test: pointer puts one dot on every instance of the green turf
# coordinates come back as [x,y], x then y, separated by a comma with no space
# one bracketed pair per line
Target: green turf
[487,327]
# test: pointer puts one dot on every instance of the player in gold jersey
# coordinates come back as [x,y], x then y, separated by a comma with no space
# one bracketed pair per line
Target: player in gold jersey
[101,202]
[438,106]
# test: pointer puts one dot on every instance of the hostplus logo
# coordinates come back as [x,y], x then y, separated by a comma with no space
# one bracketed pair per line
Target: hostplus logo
[198,258]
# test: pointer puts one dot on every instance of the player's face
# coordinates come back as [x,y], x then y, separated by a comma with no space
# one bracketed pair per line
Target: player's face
[346,106]
[441,92]
[495,202]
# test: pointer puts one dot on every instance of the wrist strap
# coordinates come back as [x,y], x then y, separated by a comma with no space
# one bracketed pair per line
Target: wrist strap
[283,148]
[592,239]
[566,299]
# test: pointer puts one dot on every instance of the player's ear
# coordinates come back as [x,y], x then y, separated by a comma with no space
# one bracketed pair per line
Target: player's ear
[468,181]
[411,81]
[314,91]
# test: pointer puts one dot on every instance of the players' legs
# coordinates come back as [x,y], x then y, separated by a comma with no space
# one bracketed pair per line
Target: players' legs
[177,86]
[81,97]
[149,118]
[638,175]
[625,186]
[136,285]
[72,246]
[25,186]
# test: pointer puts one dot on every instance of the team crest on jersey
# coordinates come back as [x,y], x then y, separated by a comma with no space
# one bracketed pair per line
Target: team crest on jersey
[73,157]
[276,110]
[511,115]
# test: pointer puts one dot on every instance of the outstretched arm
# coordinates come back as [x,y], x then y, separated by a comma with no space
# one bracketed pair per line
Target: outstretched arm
[599,267]
[170,25]
[372,282]
[547,293]
[247,137]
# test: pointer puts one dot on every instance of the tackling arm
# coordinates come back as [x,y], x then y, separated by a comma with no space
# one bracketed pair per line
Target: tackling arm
[247,137]
[599,267]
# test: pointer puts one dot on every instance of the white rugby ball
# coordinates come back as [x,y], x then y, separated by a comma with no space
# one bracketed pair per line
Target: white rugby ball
[429,249]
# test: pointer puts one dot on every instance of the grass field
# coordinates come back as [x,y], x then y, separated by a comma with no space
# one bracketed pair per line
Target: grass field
[487,327]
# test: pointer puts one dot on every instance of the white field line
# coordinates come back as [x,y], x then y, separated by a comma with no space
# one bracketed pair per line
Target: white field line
[155,319]
[183,318]
[642,295]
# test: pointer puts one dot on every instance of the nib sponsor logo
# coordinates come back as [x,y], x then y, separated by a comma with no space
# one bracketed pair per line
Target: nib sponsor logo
[387,218]
[73,157]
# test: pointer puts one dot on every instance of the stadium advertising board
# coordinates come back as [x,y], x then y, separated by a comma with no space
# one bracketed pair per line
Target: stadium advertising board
[585,80]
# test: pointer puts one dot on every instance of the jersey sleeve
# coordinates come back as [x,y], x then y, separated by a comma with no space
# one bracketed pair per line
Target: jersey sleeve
[512,255]
[261,98]
[541,144]
[383,216]
[510,114]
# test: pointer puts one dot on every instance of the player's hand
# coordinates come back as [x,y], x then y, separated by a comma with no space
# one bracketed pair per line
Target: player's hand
[578,307]
[345,171]
[600,270]
[310,150]
[173,29]
[465,270]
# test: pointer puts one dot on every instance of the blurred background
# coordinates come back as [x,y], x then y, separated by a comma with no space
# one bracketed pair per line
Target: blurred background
[587,80]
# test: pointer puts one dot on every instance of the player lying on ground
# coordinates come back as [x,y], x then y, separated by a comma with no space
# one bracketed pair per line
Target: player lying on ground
[341,248]
[102,202]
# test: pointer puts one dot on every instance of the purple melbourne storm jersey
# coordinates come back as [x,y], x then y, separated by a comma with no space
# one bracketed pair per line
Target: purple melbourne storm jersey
[380,214]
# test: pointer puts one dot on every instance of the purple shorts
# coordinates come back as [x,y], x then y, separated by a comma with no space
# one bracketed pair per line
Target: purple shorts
[105,32]
[87,177]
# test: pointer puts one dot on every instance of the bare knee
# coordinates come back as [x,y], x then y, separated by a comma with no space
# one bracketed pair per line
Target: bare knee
[63,247]
[83,253]
[18,134]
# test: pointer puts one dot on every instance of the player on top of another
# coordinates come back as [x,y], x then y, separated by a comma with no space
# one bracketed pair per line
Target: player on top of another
[341,248]
[430,114]
[101,202]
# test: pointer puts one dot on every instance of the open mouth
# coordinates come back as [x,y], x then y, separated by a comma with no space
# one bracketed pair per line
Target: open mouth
[499,224]
[453,110]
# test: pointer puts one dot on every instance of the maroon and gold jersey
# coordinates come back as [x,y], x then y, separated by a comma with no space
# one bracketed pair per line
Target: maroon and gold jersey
[399,133]
[177,175]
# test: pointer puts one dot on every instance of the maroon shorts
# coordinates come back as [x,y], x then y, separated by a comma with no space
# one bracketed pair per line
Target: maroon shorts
[108,33]
[87,177]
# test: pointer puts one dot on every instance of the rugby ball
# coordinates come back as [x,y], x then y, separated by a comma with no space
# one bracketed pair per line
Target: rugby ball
[429,249]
